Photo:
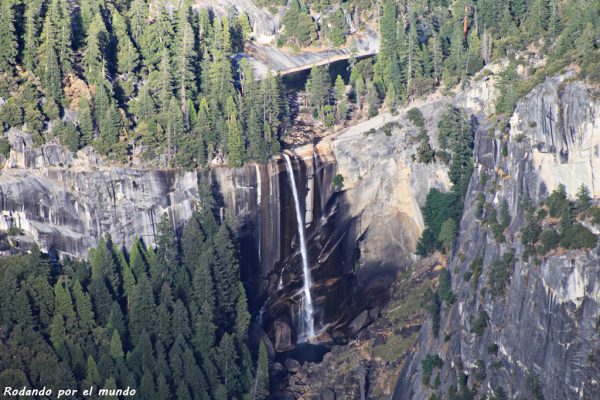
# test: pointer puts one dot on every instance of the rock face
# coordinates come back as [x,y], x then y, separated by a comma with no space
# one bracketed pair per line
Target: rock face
[545,325]
[359,235]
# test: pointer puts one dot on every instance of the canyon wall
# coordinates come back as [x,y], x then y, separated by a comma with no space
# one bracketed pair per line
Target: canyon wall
[545,325]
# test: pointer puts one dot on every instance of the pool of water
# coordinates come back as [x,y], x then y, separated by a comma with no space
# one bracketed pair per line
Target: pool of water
[305,352]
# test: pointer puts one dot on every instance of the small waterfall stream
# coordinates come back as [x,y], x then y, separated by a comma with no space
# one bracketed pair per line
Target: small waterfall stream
[307,330]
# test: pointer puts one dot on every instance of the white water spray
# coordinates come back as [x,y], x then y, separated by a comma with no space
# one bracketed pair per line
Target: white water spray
[307,306]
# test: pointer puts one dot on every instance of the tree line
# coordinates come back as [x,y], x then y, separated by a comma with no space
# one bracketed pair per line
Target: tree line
[157,82]
[170,321]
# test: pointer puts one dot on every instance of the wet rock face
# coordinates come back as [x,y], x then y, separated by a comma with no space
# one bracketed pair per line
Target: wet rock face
[545,323]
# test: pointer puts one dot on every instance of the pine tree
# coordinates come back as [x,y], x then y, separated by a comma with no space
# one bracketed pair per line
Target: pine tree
[141,314]
[180,321]
[137,259]
[318,87]
[242,316]
[538,16]
[257,148]
[116,347]
[83,306]
[93,56]
[235,141]
[227,360]
[260,389]
[244,23]
[8,40]
[92,375]
[50,70]
[138,20]
[165,81]
[185,60]
[167,257]
[86,121]
[387,28]
[101,300]
[104,267]
[127,55]
[64,35]
[341,103]
[585,44]
[584,200]
[31,38]
[226,274]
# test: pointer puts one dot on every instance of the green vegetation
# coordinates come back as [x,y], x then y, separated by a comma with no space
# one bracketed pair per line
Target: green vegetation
[535,387]
[415,116]
[445,287]
[4,147]
[432,304]
[338,182]
[555,224]
[479,323]
[166,320]
[447,234]
[428,363]
[500,273]
[163,90]
[438,208]
[455,133]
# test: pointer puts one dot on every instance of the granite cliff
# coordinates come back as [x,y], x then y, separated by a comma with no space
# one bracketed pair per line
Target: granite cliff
[540,337]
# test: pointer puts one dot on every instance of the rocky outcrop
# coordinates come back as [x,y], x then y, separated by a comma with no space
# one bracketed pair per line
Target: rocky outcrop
[541,335]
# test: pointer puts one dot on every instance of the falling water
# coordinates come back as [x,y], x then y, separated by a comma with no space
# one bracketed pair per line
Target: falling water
[307,306]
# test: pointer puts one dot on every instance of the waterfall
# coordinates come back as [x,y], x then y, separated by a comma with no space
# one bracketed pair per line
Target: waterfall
[307,310]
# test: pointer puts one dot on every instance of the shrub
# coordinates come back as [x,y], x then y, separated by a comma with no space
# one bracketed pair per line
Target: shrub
[479,324]
[535,387]
[428,363]
[492,349]
[445,287]
[557,202]
[500,273]
[415,116]
[476,270]
[550,240]
[431,304]
[4,147]
[578,236]
[595,214]
[447,234]
[438,208]
[530,234]
[338,181]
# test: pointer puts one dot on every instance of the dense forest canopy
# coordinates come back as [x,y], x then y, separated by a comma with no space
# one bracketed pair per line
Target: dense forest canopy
[169,322]
[157,80]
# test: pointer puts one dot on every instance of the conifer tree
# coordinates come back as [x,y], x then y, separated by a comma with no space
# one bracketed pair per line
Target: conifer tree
[142,308]
[127,55]
[116,347]
[138,20]
[260,389]
[93,56]
[227,360]
[242,316]
[86,122]
[8,40]
[185,60]
[83,306]
[340,98]
[31,38]
[387,27]
[235,141]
